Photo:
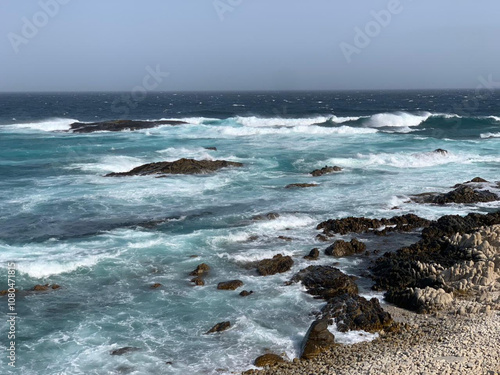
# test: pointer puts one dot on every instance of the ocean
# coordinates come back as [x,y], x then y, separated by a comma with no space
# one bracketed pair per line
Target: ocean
[106,240]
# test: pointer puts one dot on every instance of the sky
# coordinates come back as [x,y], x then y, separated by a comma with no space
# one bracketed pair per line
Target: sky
[199,45]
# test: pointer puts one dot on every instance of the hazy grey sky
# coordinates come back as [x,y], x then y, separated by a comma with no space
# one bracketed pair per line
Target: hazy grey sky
[94,45]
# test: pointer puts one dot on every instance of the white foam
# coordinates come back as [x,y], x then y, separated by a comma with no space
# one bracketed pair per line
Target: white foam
[496,118]
[174,153]
[352,337]
[398,119]
[270,122]
[48,125]
[42,269]
[117,163]
[309,130]
[490,135]
[190,120]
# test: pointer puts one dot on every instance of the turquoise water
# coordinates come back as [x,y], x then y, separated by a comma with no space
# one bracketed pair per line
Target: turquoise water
[106,240]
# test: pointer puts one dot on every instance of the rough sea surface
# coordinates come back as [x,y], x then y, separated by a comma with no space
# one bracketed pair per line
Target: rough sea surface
[106,240]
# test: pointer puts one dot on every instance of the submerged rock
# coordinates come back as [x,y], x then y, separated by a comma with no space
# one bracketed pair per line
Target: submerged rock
[268,360]
[325,170]
[278,264]
[230,285]
[246,293]
[127,349]
[43,288]
[325,281]
[318,339]
[342,248]
[155,286]
[292,186]
[268,216]
[119,125]
[181,166]
[219,327]
[440,151]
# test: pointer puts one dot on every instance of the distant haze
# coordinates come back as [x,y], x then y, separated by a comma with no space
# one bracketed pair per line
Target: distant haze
[112,45]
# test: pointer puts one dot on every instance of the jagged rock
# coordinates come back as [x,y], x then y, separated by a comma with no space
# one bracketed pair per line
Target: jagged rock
[127,349]
[219,327]
[291,186]
[268,360]
[342,248]
[246,293]
[318,339]
[402,223]
[325,281]
[201,269]
[278,264]
[352,312]
[230,285]
[313,254]
[440,151]
[325,170]
[462,194]
[181,166]
[420,300]
[119,125]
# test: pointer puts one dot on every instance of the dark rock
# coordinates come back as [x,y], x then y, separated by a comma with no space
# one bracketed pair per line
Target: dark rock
[230,285]
[119,125]
[211,148]
[291,186]
[402,223]
[127,349]
[478,179]
[55,286]
[181,166]
[352,312]
[325,170]
[440,151]
[198,281]
[155,286]
[268,360]
[246,293]
[278,264]
[313,254]
[219,327]
[325,281]
[342,248]
[462,194]
[268,216]
[284,238]
[41,288]
[201,269]
[318,339]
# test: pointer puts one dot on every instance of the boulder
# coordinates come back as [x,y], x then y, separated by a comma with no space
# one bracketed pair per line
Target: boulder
[325,170]
[352,312]
[342,248]
[318,339]
[246,293]
[230,285]
[119,125]
[278,264]
[198,281]
[325,281]
[313,254]
[219,327]
[268,360]
[181,166]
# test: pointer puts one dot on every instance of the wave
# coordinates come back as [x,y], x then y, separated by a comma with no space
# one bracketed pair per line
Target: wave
[490,135]
[254,121]
[309,129]
[43,269]
[48,125]
[398,119]
[109,164]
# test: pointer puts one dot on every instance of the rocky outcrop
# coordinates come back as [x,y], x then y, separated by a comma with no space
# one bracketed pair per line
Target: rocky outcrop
[325,170]
[278,264]
[119,125]
[342,248]
[294,186]
[352,312]
[462,194]
[318,339]
[181,166]
[268,360]
[219,327]
[325,281]
[402,223]
[313,254]
[230,285]
[200,272]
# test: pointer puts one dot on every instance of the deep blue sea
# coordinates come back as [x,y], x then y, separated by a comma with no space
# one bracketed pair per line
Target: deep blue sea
[106,240]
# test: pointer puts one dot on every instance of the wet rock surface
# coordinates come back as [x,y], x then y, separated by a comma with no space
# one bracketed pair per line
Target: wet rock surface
[119,125]
[325,281]
[342,248]
[219,327]
[230,285]
[268,360]
[325,170]
[278,264]
[318,339]
[462,194]
[181,166]
[300,185]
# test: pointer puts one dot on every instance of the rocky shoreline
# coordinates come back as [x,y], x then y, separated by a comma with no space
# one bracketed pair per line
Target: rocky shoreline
[444,295]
